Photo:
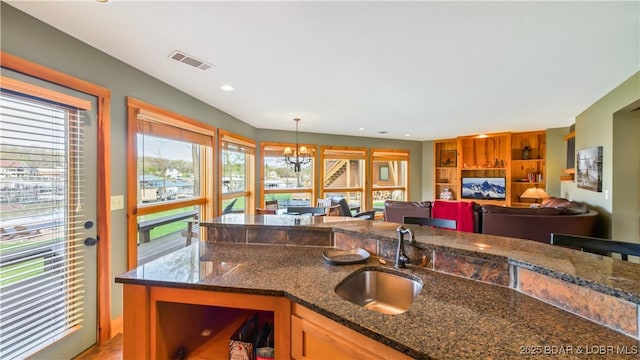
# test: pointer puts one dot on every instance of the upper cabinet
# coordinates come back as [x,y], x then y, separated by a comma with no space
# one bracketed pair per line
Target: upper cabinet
[484,168]
[490,168]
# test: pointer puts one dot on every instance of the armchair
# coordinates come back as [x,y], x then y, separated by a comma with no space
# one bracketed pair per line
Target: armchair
[345,210]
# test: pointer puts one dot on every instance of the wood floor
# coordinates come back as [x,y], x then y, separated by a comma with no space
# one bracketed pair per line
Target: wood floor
[112,350]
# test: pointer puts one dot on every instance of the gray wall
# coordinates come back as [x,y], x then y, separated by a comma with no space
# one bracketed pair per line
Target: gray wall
[595,127]
[428,178]
[626,175]
[556,160]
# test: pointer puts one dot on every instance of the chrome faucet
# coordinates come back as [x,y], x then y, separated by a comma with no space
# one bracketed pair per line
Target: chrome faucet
[401,257]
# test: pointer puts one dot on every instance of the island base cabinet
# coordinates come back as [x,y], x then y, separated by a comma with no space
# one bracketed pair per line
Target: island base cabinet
[204,330]
[165,323]
[314,336]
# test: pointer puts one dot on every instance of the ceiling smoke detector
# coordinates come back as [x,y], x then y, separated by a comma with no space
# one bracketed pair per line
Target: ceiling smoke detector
[190,60]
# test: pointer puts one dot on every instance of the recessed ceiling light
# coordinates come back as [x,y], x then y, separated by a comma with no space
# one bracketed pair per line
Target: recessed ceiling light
[361,129]
[407,134]
[226,87]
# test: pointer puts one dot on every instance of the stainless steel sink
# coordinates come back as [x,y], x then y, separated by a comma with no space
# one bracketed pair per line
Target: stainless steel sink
[381,291]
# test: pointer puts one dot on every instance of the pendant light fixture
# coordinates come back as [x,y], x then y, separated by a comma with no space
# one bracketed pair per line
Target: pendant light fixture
[298,156]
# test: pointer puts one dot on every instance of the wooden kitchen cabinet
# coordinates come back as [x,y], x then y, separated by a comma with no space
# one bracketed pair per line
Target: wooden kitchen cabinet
[314,336]
[158,321]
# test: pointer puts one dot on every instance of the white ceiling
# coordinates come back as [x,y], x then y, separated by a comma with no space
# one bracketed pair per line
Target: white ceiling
[428,69]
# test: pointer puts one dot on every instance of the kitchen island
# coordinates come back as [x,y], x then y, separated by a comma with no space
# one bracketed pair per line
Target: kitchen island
[453,317]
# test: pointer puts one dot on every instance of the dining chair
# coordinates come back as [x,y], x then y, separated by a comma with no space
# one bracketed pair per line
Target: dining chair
[434,222]
[271,204]
[596,245]
[333,210]
[324,203]
[345,209]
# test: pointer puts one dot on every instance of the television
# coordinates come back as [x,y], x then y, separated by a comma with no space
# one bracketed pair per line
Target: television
[484,188]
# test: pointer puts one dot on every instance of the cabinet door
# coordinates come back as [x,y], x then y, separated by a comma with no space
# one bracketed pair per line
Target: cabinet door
[315,337]
[311,342]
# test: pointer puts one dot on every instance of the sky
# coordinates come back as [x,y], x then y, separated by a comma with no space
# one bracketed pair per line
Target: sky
[165,148]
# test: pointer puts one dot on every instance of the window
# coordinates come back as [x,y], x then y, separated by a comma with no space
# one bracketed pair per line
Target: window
[170,157]
[167,169]
[279,180]
[237,172]
[42,180]
[389,176]
[343,174]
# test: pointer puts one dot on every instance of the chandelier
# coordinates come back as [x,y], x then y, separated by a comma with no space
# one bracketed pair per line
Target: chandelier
[299,156]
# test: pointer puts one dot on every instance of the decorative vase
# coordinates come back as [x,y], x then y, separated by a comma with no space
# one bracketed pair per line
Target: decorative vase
[526,152]
[446,194]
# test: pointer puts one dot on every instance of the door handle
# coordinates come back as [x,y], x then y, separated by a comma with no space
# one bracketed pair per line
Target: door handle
[90,241]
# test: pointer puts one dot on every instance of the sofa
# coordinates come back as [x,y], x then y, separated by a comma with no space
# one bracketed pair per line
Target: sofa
[554,215]
[395,210]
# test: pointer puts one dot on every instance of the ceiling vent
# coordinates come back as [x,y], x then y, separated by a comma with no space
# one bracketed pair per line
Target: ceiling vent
[190,60]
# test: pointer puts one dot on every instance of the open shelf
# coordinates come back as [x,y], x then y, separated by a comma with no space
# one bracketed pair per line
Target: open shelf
[202,330]
[531,169]
[446,167]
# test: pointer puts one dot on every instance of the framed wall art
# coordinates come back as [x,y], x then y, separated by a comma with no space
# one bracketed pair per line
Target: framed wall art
[448,158]
[589,168]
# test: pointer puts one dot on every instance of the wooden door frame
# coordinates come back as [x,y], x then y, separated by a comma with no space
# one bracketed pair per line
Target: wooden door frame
[103,196]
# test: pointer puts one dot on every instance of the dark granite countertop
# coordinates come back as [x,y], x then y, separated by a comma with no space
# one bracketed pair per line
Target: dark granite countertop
[601,273]
[302,221]
[452,318]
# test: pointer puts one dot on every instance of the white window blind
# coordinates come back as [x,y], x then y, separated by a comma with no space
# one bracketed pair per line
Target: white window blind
[41,194]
